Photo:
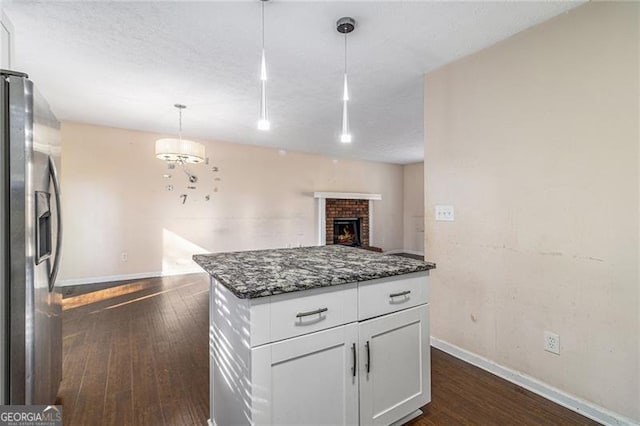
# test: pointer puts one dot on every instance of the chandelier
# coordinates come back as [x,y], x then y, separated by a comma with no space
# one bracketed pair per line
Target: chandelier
[179,150]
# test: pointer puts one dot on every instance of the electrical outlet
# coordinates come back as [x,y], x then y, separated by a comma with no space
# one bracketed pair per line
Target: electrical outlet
[445,213]
[124,256]
[551,342]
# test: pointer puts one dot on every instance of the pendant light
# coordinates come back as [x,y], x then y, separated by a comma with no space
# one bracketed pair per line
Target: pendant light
[179,150]
[345,26]
[263,123]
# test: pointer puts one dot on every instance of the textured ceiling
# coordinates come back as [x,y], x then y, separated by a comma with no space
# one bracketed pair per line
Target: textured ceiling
[125,64]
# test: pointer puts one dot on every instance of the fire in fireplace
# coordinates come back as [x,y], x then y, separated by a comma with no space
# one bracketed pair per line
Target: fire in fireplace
[346,231]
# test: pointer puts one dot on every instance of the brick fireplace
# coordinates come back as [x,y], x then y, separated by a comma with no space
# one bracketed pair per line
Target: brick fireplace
[345,209]
[345,206]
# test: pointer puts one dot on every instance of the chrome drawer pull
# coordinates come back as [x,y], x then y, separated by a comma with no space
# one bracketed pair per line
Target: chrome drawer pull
[355,360]
[306,314]
[368,365]
[402,293]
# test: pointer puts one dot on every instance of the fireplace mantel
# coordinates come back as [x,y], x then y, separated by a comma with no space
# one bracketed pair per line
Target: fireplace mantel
[322,217]
[347,195]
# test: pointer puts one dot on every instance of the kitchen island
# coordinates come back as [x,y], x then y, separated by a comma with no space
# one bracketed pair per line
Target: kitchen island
[317,335]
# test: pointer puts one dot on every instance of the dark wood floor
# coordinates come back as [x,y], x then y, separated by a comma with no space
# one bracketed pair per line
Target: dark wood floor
[137,354]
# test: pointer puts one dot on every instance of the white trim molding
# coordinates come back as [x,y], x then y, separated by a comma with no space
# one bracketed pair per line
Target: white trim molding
[322,221]
[371,233]
[322,210]
[579,405]
[126,277]
[347,195]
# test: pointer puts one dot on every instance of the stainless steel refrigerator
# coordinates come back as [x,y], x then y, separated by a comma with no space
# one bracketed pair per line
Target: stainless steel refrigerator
[30,231]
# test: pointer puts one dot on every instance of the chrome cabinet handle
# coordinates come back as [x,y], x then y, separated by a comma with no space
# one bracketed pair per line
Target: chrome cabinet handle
[56,189]
[368,365]
[355,361]
[306,314]
[402,293]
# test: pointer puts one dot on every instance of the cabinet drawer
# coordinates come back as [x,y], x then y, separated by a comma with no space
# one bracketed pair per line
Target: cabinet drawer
[379,297]
[302,312]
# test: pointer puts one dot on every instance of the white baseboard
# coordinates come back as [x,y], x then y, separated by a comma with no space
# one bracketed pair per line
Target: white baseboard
[416,252]
[394,251]
[125,277]
[581,406]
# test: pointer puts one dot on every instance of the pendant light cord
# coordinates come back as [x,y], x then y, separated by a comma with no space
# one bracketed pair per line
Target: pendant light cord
[180,124]
[345,53]
[263,122]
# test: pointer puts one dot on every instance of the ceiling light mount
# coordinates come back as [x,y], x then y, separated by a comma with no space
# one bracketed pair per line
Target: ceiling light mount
[345,25]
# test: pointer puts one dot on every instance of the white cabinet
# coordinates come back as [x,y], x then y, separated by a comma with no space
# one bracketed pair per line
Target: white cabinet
[342,355]
[395,374]
[307,380]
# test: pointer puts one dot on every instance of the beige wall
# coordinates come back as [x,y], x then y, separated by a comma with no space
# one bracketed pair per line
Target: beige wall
[535,143]
[6,41]
[414,208]
[115,201]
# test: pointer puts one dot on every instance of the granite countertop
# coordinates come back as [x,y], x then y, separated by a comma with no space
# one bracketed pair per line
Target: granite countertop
[259,273]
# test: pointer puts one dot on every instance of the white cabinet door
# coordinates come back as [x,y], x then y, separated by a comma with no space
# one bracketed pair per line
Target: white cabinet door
[395,373]
[307,380]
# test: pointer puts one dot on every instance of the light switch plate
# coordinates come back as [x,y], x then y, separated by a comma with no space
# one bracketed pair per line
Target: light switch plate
[445,213]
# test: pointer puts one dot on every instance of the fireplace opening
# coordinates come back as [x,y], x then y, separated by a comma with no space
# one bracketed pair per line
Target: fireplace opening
[346,231]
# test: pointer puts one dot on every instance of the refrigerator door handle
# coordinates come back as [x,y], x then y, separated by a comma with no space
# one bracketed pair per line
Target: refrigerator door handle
[56,189]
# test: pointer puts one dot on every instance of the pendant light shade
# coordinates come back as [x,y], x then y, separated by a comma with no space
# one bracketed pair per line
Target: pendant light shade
[263,122]
[345,26]
[179,150]
[345,136]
